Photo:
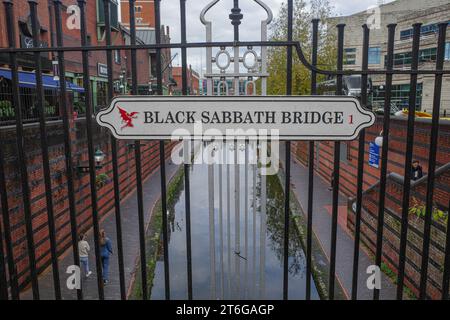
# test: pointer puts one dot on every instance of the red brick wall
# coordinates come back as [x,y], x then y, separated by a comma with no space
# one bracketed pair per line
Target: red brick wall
[391,233]
[192,81]
[127,181]
[397,147]
[73,61]
[147,13]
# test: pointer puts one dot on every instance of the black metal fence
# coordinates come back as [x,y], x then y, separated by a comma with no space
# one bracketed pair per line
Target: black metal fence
[292,47]
[28,102]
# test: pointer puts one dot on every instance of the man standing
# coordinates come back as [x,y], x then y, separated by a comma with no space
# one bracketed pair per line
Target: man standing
[417,172]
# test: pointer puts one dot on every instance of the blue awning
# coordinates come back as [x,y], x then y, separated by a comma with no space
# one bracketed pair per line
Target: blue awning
[28,80]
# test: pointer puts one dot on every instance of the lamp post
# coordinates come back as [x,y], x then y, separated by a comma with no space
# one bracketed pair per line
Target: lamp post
[122,81]
[99,157]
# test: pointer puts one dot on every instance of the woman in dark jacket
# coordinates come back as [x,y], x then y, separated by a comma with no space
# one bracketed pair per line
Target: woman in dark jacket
[105,253]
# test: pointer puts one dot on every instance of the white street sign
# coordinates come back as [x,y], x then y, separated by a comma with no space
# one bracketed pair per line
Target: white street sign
[288,117]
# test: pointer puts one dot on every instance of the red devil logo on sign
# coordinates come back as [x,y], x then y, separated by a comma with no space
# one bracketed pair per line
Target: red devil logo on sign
[127,118]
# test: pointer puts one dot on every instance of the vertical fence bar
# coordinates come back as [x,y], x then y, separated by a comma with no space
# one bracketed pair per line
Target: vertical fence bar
[315,31]
[44,150]
[262,229]
[337,151]
[3,279]
[162,162]
[287,187]
[222,271]
[67,139]
[408,161]
[254,203]
[385,148]
[21,157]
[235,18]
[432,159]
[138,161]
[7,231]
[109,62]
[237,221]
[446,274]
[89,128]
[360,178]
[212,235]
[227,146]
[246,219]
[187,190]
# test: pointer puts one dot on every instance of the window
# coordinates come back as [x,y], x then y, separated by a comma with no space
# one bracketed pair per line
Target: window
[114,14]
[406,34]
[138,9]
[350,56]
[428,55]
[401,59]
[405,58]
[117,58]
[399,95]
[139,20]
[447,51]
[425,30]
[375,55]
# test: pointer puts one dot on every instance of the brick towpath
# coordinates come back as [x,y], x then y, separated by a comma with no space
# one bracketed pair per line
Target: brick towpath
[322,203]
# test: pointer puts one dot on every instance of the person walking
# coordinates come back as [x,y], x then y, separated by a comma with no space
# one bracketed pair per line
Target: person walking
[83,252]
[417,171]
[105,253]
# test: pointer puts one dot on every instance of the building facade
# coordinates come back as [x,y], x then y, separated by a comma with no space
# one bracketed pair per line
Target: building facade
[193,81]
[145,30]
[404,13]
[98,75]
[98,69]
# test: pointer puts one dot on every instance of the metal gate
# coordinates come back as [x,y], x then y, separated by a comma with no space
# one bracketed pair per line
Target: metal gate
[9,287]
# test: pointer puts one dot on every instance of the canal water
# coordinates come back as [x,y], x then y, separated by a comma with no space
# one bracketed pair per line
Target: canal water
[236,254]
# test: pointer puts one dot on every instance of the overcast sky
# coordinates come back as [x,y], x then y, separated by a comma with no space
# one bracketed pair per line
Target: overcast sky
[222,28]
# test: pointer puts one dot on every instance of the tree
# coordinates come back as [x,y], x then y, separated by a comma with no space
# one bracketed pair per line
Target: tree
[303,14]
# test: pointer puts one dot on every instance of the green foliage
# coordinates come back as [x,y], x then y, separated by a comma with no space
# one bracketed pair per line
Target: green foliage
[393,276]
[154,232]
[304,12]
[49,110]
[418,208]
[6,109]
[79,107]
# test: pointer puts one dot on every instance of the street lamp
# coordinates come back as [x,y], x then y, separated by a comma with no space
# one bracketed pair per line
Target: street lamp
[99,157]
[122,81]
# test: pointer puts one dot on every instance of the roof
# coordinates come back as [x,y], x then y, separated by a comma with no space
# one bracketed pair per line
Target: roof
[147,36]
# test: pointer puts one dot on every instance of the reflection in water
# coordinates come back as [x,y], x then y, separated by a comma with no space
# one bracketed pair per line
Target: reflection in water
[232,202]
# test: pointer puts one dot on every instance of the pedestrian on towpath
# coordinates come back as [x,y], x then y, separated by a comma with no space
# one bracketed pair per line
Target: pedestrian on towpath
[105,253]
[417,171]
[83,251]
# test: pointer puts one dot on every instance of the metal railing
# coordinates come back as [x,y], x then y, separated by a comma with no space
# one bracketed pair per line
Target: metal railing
[292,47]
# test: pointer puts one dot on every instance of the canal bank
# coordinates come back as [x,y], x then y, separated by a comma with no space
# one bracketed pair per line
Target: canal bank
[130,239]
[234,256]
